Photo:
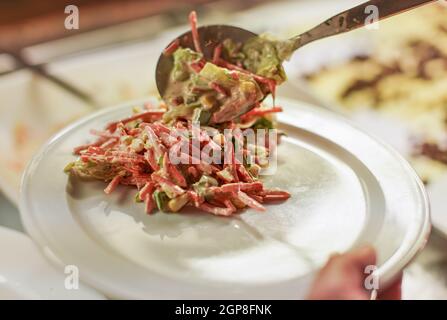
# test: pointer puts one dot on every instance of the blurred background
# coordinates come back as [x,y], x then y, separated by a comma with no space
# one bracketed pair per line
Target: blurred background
[391,79]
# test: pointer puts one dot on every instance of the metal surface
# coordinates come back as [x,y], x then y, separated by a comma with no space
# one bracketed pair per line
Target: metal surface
[355,18]
[347,189]
[211,36]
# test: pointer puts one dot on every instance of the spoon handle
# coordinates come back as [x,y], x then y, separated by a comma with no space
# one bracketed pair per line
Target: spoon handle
[357,17]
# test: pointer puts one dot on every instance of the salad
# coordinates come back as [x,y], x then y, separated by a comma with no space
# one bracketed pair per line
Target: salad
[237,79]
[206,144]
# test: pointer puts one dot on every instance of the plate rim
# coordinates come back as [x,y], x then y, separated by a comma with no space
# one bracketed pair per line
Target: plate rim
[386,273]
[336,107]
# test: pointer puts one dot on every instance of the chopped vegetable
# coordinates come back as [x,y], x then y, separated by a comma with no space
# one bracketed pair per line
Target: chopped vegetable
[238,77]
[264,57]
[112,185]
[161,199]
[226,93]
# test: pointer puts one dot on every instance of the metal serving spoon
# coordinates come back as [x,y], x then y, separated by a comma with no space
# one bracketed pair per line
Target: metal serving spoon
[211,36]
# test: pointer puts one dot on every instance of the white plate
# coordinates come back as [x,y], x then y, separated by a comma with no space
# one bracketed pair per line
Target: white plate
[25,274]
[348,190]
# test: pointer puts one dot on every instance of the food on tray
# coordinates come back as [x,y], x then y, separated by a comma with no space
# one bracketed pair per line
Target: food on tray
[405,77]
[194,149]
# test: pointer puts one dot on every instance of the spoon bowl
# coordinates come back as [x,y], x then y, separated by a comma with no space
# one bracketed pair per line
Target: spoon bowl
[209,36]
[354,18]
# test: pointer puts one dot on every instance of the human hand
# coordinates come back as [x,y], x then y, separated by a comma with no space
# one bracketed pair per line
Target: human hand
[343,278]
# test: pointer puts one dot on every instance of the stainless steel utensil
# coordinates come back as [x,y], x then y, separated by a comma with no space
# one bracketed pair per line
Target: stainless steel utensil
[211,36]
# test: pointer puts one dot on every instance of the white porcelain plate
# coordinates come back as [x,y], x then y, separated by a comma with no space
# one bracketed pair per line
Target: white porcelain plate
[25,274]
[347,190]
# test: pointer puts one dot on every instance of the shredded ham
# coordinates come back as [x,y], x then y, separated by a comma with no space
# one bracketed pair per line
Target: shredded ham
[136,151]
[194,31]
[170,49]
[217,53]
[258,112]
[112,185]
[147,165]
